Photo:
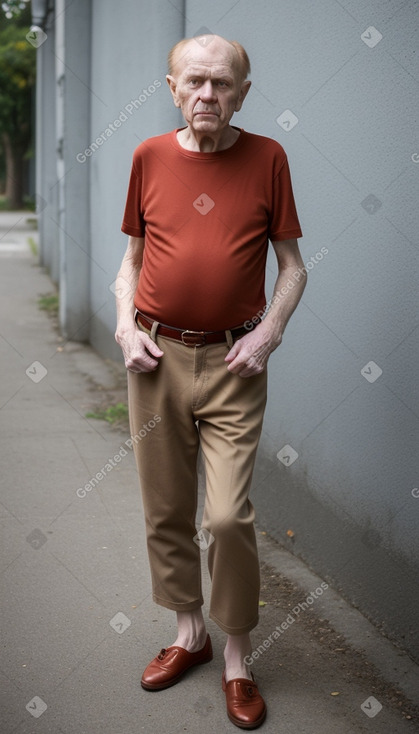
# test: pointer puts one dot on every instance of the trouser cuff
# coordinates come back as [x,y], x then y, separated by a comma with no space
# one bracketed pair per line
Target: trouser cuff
[234,630]
[181,606]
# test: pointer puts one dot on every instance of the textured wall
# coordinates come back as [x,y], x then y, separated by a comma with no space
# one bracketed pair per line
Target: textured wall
[73,34]
[46,164]
[342,389]
[336,82]
[128,81]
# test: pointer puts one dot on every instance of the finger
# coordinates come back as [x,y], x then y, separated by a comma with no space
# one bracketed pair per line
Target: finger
[237,365]
[241,370]
[152,346]
[248,373]
[237,369]
[134,366]
[252,371]
[141,363]
[232,353]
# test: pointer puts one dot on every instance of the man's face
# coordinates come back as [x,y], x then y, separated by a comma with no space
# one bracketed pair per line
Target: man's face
[207,85]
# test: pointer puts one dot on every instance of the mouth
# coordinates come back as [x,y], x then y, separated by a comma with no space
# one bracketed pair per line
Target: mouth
[207,113]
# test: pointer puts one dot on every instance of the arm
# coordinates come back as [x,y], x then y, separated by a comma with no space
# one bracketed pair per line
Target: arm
[135,344]
[249,354]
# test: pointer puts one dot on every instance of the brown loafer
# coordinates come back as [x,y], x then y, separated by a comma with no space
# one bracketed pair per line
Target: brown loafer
[245,706]
[171,663]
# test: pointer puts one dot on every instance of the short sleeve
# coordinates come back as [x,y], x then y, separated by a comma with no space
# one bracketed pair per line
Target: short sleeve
[133,223]
[284,223]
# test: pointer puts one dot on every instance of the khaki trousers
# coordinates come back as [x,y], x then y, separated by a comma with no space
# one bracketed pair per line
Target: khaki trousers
[193,401]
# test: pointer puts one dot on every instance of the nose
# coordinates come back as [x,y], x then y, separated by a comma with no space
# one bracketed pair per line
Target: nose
[207,93]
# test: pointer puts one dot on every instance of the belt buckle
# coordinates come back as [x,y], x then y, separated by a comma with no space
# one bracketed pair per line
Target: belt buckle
[193,338]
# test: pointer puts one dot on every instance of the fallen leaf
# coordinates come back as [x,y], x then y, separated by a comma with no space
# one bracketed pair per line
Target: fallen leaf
[290,533]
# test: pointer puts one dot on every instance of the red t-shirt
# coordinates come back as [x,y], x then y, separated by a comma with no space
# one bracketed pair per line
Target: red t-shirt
[206,219]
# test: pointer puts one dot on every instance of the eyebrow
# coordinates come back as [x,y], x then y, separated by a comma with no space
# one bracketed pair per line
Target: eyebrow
[198,73]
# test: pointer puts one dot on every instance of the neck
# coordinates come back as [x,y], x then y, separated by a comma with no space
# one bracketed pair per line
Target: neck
[203,142]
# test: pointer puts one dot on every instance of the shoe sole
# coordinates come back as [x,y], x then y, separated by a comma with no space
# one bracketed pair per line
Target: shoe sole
[242,725]
[173,681]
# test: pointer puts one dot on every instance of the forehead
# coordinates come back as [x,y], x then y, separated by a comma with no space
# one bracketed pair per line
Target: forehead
[215,59]
[213,71]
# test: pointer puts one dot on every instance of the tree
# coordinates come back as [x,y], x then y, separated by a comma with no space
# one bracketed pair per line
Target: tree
[17,81]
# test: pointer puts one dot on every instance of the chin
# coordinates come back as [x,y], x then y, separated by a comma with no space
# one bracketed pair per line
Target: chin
[206,125]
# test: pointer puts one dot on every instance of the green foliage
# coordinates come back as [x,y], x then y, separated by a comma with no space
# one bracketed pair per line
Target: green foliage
[33,248]
[17,79]
[17,82]
[16,9]
[111,414]
[49,302]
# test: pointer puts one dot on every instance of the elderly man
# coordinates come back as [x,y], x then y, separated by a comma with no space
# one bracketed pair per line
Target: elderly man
[202,203]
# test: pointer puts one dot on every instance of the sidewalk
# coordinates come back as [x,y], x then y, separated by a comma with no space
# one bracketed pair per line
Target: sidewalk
[78,622]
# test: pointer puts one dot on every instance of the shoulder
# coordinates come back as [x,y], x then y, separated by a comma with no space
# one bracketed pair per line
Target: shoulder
[262,143]
[266,152]
[156,144]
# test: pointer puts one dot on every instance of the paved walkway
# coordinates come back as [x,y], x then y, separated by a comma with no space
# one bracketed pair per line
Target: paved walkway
[78,622]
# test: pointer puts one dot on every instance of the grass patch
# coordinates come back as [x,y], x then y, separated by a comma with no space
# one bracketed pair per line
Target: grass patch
[33,246]
[112,414]
[49,302]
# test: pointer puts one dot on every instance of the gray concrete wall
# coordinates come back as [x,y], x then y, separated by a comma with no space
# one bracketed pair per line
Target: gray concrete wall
[45,166]
[73,65]
[129,87]
[347,497]
[336,84]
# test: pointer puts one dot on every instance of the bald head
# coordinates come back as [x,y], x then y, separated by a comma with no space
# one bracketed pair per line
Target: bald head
[209,49]
[208,82]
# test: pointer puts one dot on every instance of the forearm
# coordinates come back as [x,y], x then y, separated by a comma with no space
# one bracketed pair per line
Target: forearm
[249,355]
[289,288]
[126,283]
[141,354]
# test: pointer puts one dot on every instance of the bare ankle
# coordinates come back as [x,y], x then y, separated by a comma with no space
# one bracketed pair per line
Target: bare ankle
[237,646]
[236,654]
[192,633]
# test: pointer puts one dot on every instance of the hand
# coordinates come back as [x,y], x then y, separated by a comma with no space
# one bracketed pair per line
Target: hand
[249,355]
[138,350]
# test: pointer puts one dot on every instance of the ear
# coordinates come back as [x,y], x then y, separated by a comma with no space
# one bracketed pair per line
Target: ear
[243,91]
[173,87]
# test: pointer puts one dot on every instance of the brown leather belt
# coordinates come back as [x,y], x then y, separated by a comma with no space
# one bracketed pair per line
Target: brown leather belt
[188,337]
